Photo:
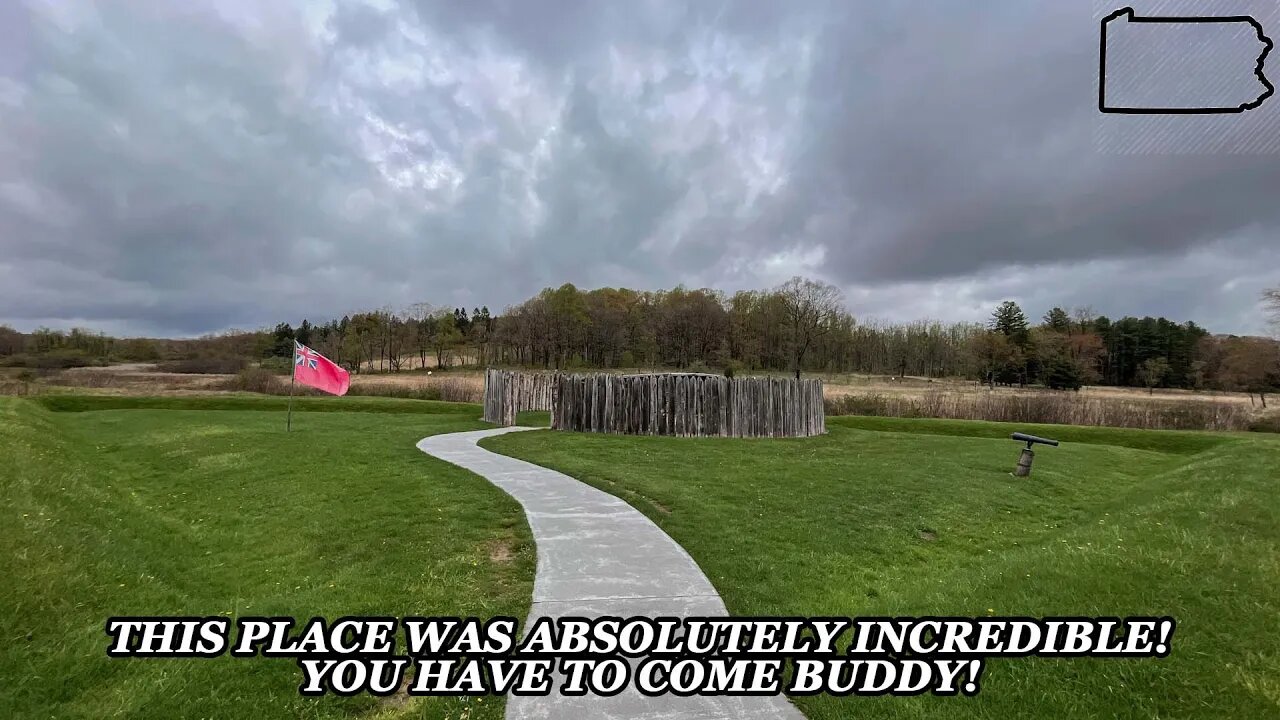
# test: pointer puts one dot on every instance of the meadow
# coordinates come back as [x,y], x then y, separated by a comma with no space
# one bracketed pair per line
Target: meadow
[909,517]
[124,505]
[180,506]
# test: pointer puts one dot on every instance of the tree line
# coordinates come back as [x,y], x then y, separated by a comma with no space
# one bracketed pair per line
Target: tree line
[800,326]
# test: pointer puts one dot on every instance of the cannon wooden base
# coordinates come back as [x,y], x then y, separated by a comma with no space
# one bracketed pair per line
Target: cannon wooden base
[1024,462]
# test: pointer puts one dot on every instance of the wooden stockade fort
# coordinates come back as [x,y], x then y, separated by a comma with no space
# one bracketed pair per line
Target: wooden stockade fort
[507,393]
[680,404]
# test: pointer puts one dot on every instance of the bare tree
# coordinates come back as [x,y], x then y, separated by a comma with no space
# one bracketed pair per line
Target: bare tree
[1152,372]
[400,339]
[422,317]
[991,351]
[1271,300]
[1083,317]
[1251,365]
[11,341]
[810,308]
[445,337]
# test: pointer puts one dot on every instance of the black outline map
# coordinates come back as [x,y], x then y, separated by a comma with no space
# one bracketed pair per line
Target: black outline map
[1134,18]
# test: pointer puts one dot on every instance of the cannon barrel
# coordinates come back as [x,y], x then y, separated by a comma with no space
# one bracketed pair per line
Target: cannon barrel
[1032,439]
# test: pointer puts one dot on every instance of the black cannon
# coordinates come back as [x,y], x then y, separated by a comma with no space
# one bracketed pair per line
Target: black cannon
[1033,440]
[1028,455]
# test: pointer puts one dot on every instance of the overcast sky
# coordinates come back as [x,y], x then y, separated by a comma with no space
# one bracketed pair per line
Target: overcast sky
[175,168]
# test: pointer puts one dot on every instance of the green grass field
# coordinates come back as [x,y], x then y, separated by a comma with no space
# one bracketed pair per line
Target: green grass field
[922,517]
[128,506]
[152,506]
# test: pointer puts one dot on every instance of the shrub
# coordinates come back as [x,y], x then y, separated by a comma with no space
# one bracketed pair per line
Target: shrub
[732,367]
[136,350]
[57,360]
[1267,424]
[225,365]
[258,380]
[277,365]
[26,377]
[17,384]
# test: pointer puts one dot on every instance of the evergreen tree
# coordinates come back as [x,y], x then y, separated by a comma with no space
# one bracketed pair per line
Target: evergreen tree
[304,332]
[1057,320]
[1010,321]
[282,341]
[461,321]
[1062,373]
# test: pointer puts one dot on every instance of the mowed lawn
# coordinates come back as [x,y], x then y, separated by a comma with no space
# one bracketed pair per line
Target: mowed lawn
[207,507]
[922,517]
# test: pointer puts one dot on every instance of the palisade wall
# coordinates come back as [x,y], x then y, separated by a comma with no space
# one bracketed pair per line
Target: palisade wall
[680,404]
[507,392]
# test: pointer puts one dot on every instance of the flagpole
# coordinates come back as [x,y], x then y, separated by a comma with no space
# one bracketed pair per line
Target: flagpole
[288,423]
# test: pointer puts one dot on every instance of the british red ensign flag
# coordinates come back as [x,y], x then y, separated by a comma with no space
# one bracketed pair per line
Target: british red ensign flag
[315,370]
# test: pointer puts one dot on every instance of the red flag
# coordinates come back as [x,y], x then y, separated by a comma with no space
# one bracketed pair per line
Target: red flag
[313,369]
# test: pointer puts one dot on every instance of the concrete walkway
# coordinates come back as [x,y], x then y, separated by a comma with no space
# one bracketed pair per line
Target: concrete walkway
[599,556]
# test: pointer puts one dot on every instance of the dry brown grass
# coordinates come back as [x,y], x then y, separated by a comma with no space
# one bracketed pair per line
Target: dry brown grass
[86,378]
[1063,408]
[453,387]
[414,362]
[911,387]
[416,379]
[135,379]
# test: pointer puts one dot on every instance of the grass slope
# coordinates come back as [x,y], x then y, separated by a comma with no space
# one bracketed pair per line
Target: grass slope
[249,402]
[922,517]
[183,511]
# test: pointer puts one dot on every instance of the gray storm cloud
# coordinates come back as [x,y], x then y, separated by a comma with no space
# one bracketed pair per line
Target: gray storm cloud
[184,168]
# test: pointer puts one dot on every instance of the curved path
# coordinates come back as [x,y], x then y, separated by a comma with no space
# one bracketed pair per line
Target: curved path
[599,556]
